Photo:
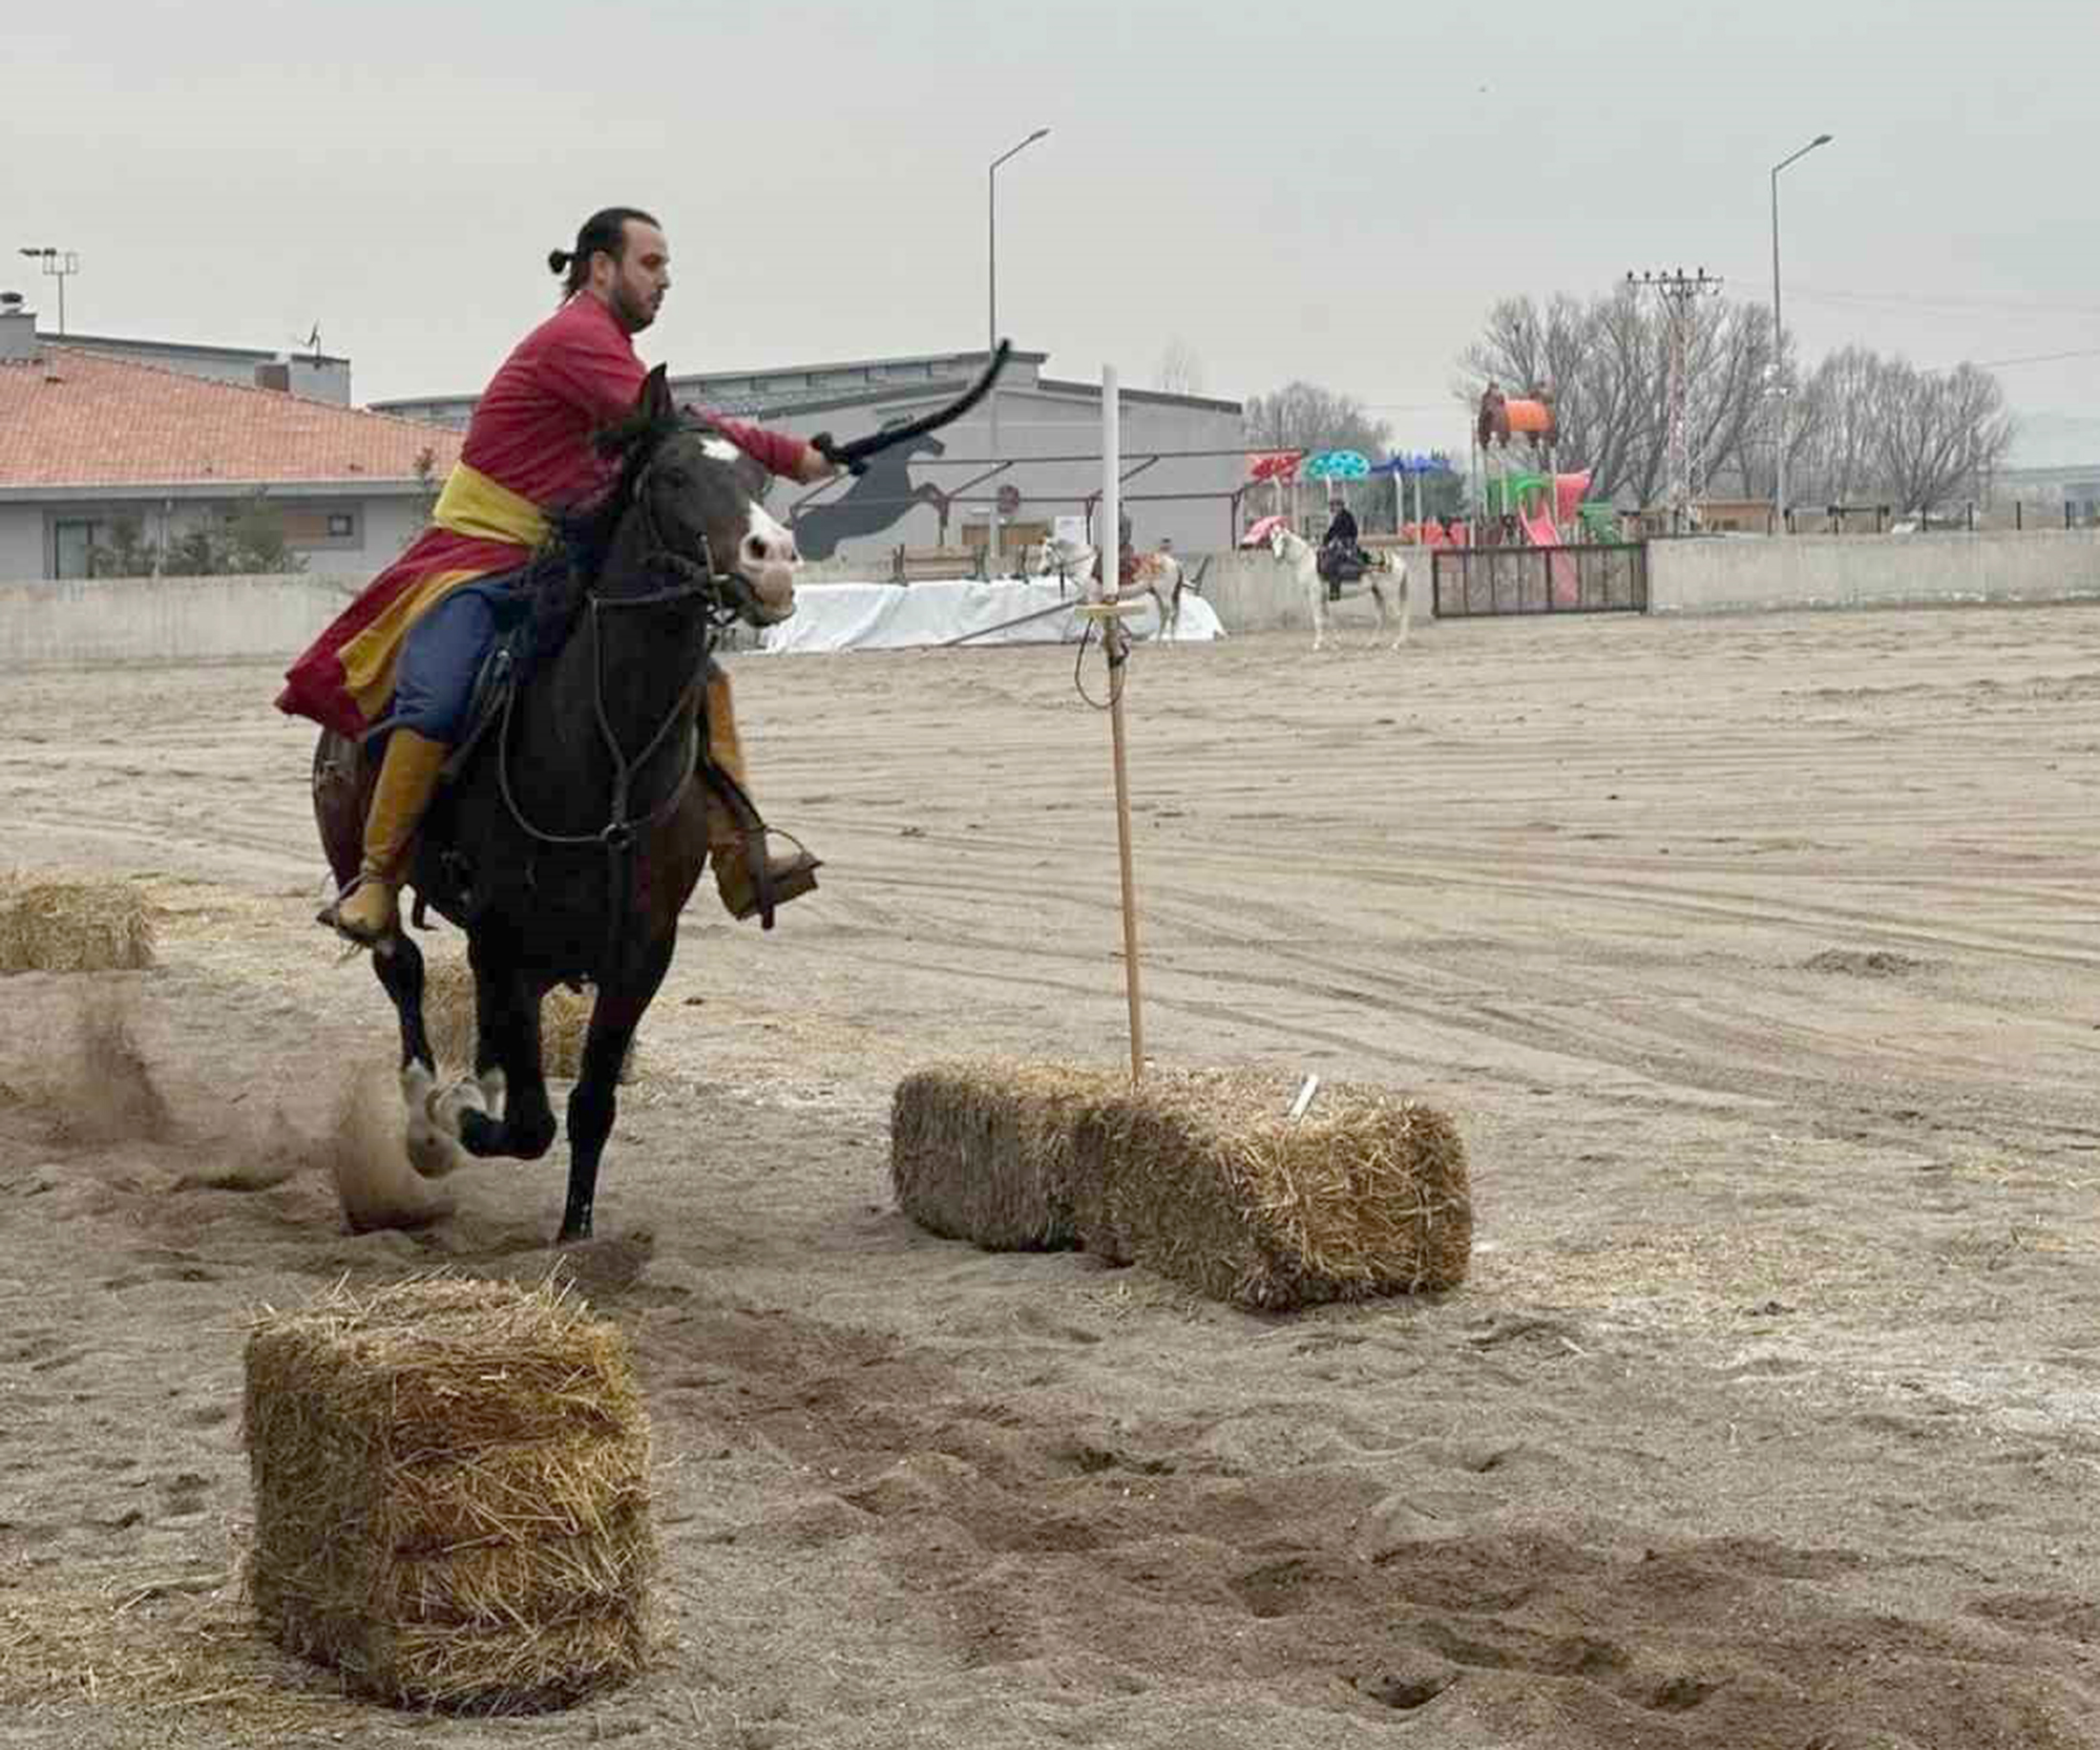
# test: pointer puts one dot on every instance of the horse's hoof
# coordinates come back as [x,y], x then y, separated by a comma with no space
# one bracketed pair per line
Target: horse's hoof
[574,1233]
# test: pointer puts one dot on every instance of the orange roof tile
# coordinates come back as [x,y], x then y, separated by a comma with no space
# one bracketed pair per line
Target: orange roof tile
[72,418]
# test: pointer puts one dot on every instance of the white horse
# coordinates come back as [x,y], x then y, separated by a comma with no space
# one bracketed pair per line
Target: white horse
[1158,575]
[1304,561]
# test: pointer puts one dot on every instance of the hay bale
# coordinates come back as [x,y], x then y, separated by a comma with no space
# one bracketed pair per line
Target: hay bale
[72,926]
[982,1151]
[451,1495]
[564,1018]
[1201,1176]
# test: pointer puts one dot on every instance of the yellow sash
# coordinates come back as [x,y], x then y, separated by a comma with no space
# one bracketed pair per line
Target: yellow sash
[473,505]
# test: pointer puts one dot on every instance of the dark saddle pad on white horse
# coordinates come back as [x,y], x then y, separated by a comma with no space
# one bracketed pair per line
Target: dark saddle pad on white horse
[1339,565]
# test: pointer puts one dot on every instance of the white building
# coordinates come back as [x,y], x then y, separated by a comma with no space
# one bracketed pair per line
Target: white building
[1182,455]
[94,444]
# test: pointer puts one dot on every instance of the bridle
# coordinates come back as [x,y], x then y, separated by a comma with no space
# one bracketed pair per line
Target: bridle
[695,579]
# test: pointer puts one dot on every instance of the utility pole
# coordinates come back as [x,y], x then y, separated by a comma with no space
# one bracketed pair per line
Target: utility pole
[1680,291]
[58,265]
[1780,348]
[992,313]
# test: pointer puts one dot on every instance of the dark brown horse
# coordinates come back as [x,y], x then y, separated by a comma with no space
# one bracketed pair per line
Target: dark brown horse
[573,831]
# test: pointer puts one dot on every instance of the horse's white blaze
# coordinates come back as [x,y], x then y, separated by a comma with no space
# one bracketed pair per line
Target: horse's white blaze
[719,450]
[774,540]
[766,560]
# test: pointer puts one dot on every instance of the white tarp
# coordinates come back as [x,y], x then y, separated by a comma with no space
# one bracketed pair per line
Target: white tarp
[903,617]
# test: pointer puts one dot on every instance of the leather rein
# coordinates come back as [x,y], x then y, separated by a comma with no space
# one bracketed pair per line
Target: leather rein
[699,581]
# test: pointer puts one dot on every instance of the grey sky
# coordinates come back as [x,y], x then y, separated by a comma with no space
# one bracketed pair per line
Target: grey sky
[1329,192]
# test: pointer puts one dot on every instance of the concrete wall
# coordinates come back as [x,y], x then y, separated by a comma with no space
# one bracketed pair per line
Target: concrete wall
[1736,576]
[271,618]
[166,619]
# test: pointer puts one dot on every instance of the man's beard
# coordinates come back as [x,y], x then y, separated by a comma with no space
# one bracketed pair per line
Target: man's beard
[635,313]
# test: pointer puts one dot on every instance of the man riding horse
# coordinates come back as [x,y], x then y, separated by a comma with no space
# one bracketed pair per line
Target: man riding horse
[402,660]
[1342,558]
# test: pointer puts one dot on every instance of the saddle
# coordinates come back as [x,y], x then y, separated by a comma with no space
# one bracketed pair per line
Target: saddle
[1341,566]
[511,664]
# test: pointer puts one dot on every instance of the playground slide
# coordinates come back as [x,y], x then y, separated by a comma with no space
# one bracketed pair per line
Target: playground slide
[1538,530]
[1563,580]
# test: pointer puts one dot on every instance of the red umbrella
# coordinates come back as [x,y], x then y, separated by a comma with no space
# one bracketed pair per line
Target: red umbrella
[1281,466]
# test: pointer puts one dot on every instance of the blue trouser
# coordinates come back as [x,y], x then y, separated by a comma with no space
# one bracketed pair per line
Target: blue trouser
[443,654]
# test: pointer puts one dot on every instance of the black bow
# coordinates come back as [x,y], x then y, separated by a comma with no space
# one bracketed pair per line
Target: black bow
[854,457]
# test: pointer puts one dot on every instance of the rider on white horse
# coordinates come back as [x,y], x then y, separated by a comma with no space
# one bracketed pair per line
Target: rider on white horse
[1299,554]
[1342,558]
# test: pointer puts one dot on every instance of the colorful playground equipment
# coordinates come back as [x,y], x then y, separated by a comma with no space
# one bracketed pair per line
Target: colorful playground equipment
[1535,506]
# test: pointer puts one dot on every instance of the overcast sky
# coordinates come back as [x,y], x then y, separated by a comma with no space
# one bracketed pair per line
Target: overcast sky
[1334,192]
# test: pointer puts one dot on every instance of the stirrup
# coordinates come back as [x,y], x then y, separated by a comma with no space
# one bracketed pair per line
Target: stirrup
[768,890]
[331,914]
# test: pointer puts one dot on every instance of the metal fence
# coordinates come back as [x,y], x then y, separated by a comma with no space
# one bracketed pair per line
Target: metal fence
[1472,582]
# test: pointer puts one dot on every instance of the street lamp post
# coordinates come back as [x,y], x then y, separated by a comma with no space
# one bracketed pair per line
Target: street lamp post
[992,307]
[1778,346]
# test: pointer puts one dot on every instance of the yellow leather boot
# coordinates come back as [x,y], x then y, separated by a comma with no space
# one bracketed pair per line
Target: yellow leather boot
[793,873]
[370,911]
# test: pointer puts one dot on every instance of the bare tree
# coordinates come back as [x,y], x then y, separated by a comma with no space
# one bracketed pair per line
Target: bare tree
[1876,429]
[1862,426]
[1606,363]
[1302,415]
[1180,369]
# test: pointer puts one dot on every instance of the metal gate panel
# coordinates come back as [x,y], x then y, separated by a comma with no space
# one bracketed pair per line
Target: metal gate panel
[1479,582]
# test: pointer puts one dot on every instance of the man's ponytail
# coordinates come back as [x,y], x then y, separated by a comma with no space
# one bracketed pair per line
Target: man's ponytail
[605,232]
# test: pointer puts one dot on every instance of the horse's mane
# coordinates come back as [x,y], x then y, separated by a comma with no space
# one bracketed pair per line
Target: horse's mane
[583,532]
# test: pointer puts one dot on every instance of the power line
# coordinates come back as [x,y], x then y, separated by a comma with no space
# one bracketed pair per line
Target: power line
[1944,299]
[2037,358]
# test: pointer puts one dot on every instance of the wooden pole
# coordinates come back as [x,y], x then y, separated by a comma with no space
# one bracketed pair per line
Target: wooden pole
[1117,637]
[1116,641]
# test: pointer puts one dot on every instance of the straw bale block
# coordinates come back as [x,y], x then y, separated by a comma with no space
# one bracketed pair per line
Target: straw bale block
[452,1491]
[1201,1176]
[1205,1177]
[564,1020]
[72,926]
[982,1150]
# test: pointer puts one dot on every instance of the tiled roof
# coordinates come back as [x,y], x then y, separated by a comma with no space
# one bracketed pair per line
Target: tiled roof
[74,418]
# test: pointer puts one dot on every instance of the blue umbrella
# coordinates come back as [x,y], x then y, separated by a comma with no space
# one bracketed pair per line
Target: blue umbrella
[1336,465]
[1435,461]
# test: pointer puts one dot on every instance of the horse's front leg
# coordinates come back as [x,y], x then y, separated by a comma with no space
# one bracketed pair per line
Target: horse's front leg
[1378,599]
[1317,594]
[593,1103]
[1400,602]
[504,1110]
[398,964]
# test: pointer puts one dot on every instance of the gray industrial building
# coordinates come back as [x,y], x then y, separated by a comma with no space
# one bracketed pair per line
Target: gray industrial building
[1182,453]
[314,376]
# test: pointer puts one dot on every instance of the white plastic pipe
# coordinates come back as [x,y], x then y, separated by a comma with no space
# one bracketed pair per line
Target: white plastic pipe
[1110,544]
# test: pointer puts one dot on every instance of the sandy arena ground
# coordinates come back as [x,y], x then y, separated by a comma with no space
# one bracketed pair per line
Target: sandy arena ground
[1755,958]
